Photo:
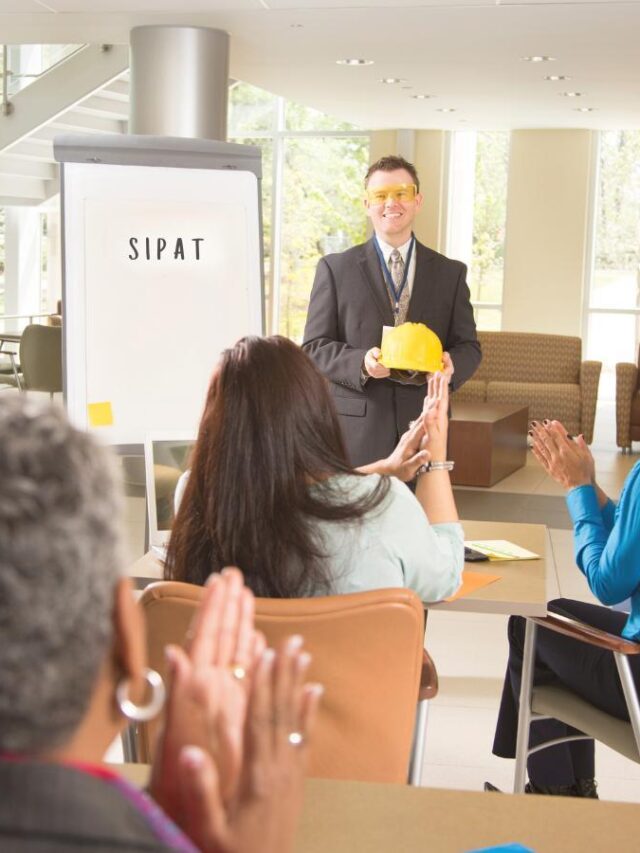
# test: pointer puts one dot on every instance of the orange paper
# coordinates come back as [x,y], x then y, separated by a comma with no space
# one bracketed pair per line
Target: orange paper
[471,581]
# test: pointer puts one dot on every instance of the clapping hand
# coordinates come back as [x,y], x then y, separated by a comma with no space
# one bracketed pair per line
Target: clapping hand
[435,417]
[408,455]
[209,690]
[568,460]
[265,811]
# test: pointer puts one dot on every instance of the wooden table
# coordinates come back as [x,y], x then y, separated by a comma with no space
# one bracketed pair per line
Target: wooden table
[487,441]
[362,817]
[359,817]
[521,590]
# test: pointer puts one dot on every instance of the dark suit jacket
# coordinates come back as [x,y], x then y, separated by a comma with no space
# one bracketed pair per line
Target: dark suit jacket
[49,808]
[349,305]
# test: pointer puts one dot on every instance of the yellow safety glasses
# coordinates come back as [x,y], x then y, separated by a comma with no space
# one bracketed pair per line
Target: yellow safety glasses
[396,192]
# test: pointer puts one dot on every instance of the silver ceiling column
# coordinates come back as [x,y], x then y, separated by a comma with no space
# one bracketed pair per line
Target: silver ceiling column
[179,80]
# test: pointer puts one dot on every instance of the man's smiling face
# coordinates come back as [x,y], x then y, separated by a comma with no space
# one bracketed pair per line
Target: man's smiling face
[392,219]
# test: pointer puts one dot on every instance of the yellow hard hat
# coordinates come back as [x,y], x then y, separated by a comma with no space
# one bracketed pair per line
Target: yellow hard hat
[412,346]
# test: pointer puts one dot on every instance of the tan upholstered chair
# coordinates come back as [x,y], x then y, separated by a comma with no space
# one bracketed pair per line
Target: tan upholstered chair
[544,372]
[561,703]
[367,651]
[627,404]
[40,360]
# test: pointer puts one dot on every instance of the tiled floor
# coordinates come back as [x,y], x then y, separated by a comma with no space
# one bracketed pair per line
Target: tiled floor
[470,650]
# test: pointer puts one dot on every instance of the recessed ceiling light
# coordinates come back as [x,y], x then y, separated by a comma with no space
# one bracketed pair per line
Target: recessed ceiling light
[584,109]
[421,97]
[391,80]
[538,58]
[354,61]
[296,26]
[446,109]
[554,77]
[571,94]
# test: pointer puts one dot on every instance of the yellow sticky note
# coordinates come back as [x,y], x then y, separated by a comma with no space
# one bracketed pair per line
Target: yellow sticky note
[100,414]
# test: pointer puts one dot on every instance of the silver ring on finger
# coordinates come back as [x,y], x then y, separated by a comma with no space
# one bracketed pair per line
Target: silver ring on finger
[238,671]
[295,738]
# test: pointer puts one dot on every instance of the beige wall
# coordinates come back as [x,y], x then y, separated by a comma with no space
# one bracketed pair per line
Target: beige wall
[430,161]
[426,150]
[546,232]
[547,219]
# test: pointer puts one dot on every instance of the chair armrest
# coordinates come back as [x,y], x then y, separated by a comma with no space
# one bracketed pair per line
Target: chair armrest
[586,633]
[589,381]
[428,679]
[626,385]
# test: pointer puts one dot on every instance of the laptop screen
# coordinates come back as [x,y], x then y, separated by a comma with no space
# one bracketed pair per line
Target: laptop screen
[166,460]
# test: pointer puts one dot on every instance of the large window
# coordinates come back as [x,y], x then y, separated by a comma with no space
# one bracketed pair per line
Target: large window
[311,195]
[27,62]
[613,317]
[2,260]
[478,166]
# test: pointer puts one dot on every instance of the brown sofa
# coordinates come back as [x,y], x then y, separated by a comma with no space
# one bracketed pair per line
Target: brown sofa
[627,404]
[544,372]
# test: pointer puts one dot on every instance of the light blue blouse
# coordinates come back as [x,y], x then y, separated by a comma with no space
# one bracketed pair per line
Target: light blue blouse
[607,545]
[393,545]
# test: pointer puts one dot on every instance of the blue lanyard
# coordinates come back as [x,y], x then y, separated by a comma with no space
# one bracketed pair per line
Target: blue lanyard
[387,274]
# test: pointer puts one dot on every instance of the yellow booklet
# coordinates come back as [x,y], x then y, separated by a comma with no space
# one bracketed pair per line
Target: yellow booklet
[500,549]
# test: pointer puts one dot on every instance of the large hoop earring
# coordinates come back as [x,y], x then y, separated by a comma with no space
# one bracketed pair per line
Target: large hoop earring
[142,713]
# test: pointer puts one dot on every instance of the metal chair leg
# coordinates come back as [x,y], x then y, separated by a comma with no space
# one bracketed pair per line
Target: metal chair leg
[129,748]
[630,695]
[419,739]
[524,707]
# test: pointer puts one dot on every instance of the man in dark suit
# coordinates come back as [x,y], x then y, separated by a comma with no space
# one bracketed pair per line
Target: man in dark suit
[386,281]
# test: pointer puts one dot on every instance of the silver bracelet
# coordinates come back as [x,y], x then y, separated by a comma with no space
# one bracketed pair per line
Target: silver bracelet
[435,466]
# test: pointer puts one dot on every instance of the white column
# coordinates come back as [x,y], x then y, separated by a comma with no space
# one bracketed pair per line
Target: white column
[22,260]
[54,260]
[179,81]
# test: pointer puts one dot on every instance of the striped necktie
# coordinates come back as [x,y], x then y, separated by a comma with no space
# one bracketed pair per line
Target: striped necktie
[396,268]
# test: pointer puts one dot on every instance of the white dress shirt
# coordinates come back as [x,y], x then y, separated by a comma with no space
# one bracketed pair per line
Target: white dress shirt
[386,250]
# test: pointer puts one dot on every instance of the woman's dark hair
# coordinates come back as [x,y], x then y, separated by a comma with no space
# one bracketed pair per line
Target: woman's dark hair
[269,431]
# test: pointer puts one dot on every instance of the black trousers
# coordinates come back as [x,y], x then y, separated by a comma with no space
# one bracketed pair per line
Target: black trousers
[586,670]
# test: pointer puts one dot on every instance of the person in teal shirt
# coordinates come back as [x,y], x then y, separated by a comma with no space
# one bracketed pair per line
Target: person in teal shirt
[270,488]
[607,551]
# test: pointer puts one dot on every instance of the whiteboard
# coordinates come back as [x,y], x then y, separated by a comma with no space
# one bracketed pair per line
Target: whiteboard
[162,272]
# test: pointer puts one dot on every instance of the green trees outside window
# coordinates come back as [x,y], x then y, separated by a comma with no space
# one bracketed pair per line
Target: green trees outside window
[311,194]
[486,271]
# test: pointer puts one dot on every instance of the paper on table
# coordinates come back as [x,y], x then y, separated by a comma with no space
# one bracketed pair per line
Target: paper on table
[500,549]
[471,581]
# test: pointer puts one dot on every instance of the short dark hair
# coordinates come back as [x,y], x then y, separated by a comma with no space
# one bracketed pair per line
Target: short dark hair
[389,164]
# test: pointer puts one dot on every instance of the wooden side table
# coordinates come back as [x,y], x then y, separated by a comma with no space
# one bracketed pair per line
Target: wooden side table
[487,441]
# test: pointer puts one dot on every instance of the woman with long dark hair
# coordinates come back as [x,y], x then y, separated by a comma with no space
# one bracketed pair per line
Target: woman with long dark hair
[270,489]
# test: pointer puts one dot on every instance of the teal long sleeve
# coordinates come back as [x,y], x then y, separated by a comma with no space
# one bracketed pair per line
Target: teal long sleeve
[607,545]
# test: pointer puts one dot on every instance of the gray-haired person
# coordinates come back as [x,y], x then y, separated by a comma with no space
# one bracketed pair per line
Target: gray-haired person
[72,670]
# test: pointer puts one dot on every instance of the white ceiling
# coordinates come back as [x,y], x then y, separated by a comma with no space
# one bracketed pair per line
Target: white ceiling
[465,53]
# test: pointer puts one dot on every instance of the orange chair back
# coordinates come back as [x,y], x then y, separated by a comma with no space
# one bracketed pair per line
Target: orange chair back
[367,651]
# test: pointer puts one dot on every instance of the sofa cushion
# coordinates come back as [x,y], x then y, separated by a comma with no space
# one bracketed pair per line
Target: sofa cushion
[556,401]
[473,391]
[529,357]
[635,409]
